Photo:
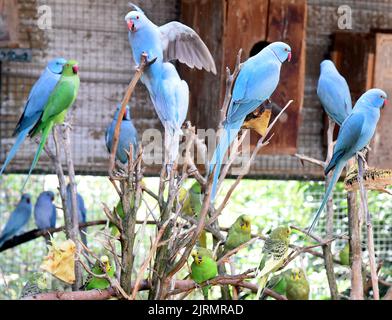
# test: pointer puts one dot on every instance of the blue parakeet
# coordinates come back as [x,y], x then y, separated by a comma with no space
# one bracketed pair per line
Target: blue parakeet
[17,220]
[82,211]
[169,94]
[128,136]
[45,211]
[334,93]
[355,134]
[256,82]
[34,107]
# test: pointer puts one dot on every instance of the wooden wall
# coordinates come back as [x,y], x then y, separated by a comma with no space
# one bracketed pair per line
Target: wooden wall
[93,31]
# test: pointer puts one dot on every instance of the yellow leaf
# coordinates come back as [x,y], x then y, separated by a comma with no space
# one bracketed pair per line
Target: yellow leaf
[260,123]
[60,261]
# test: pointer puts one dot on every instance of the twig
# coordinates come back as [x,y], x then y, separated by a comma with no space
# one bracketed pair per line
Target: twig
[372,257]
[234,251]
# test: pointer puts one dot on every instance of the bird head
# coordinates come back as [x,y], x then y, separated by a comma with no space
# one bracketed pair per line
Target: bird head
[280,233]
[136,20]
[71,68]
[245,223]
[376,98]
[327,64]
[50,194]
[196,188]
[26,198]
[56,65]
[127,114]
[297,274]
[281,50]
[105,262]
[197,257]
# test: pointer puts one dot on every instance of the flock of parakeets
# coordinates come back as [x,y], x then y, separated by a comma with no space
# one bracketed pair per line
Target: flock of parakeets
[57,88]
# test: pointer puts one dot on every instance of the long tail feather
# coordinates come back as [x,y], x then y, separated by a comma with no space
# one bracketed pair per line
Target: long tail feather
[44,137]
[262,283]
[336,175]
[19,140]
[172,143]
[230,132]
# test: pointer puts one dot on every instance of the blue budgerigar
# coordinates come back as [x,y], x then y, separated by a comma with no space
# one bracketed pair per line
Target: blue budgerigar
[334,93]
[82,211]
[17,220]
[45,211]
[34,107]
[355,134]
[169,94]
[256,82]
[128,136]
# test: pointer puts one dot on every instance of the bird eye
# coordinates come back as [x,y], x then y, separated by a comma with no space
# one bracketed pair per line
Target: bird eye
[137,17]
[285,49]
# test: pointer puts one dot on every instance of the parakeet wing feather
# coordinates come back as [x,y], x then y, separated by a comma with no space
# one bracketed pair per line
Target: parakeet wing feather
[182,43]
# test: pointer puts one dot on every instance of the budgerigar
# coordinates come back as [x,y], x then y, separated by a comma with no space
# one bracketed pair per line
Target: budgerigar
[128,136]
[169,94]
[61,99]
[192,201]
[100,268]
[344,255]
[355,134]
[203,268]
[36,284]
[82,211]
[275,251]
[35,104]
[297,287]
[334,93]
[239,233]
[256,82]
[45,214]
[17,220]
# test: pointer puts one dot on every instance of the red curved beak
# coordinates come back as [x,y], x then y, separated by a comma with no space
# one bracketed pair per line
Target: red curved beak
[131,25]
[75,69]
[385,103]
[289,57]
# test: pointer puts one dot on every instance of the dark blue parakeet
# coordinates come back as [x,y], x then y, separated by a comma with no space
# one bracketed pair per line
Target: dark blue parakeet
[128,136]
[17,220]
[45,211]
[82,211]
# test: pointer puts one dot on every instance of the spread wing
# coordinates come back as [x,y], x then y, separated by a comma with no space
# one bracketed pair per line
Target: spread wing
[182,43]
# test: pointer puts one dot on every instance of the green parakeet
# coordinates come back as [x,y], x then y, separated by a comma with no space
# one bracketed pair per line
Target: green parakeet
[344,255]
[98,283]
[275,251]
[55,110]
[203,268]
[192,202]
[297,285]
[278,283]
[239,233]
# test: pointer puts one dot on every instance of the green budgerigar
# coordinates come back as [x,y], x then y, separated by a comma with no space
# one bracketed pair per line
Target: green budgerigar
[100,268]
[344,255]
[192,201]
[239,233]
[55,110]
[297,285]
[275,251]
[203,268]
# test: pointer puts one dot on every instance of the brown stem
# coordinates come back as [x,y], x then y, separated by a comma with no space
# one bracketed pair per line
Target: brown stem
[365,208]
